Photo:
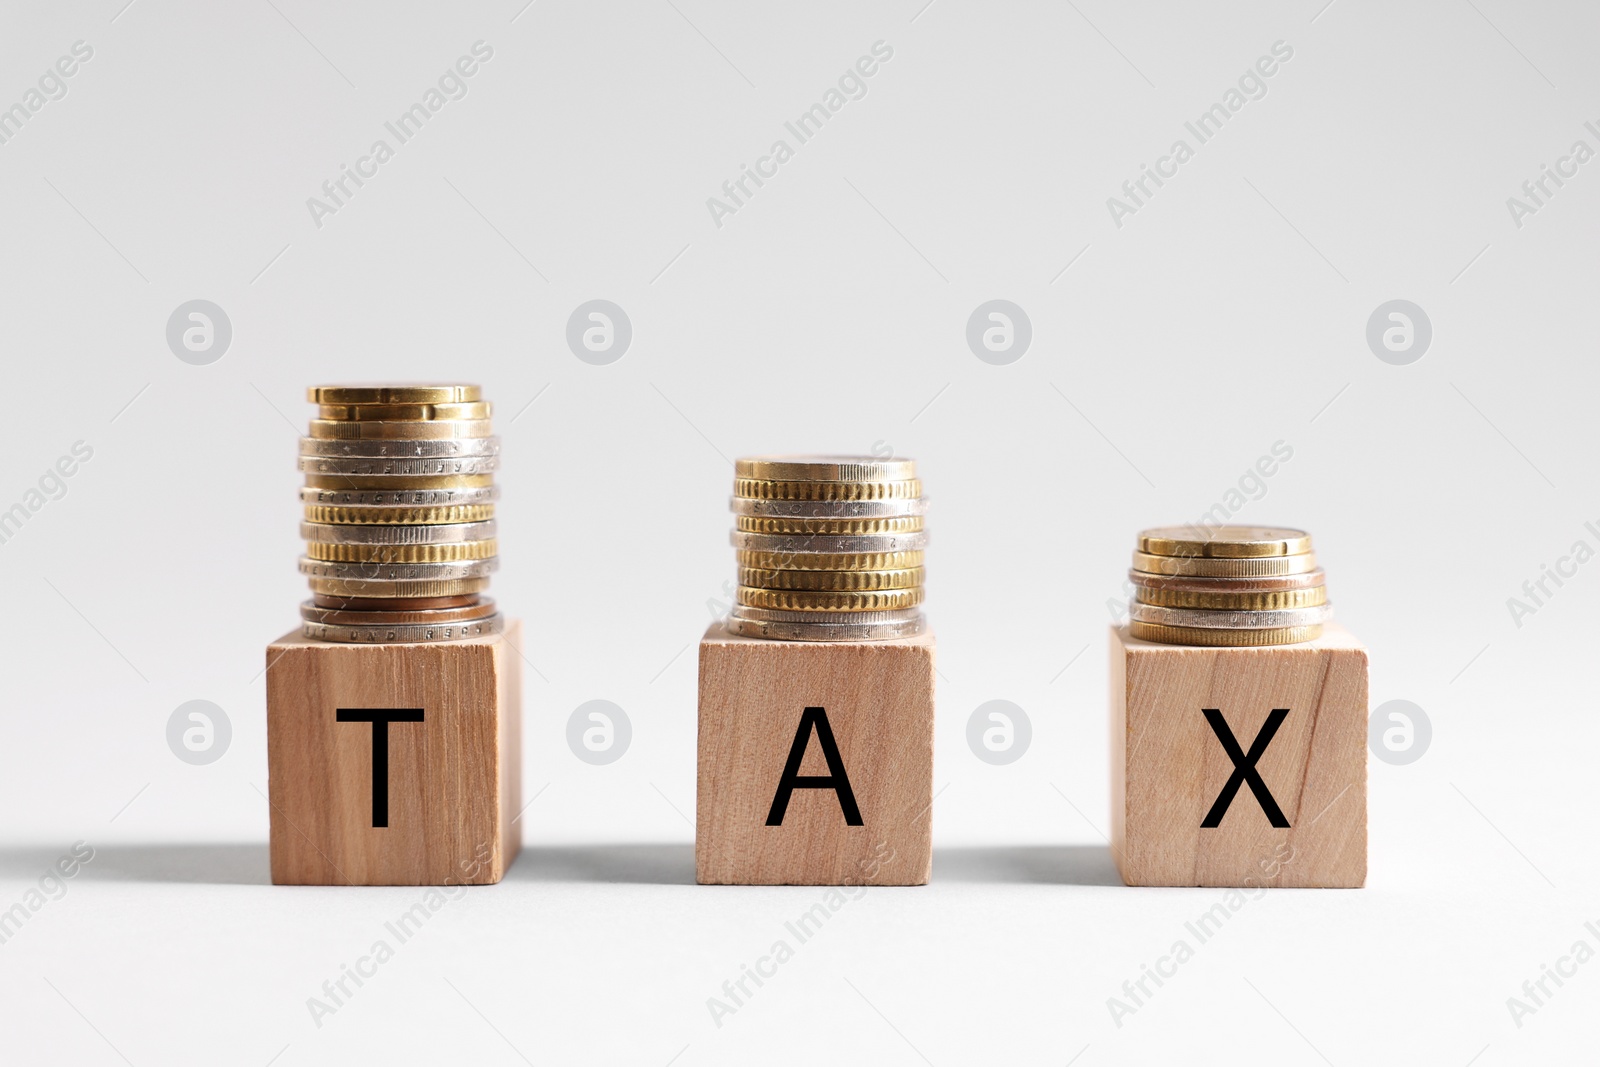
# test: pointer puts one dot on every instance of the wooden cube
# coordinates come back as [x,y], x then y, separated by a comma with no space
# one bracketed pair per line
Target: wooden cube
[1239,766]
[815,761]
[426,795]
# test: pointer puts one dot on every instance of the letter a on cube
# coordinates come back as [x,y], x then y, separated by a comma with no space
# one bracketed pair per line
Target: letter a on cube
[815,761]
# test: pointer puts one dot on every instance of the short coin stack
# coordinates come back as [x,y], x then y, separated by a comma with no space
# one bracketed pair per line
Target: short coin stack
[1227,585]
[399,513]
[830,548]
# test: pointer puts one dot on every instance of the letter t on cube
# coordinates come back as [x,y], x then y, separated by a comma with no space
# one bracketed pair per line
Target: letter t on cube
[394,764]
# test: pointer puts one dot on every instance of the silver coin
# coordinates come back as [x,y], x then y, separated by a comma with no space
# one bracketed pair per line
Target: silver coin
[817,631]
[403,634]
[372,571]
[1206,619]
[399,498]
[443,533]
[825,468]
[828,509]
[812,543]
[382,449]
[402,467]
[749,614]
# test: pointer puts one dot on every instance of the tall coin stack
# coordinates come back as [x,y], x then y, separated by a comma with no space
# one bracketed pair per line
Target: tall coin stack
[1227,585]
[829,548]
[399,513]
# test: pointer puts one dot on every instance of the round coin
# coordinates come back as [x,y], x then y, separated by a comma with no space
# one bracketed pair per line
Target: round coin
[761,489]
[807,600]
[1205,567]
[381,449]
[411,516]
[390,467]
[439,534]
[378,589]
[1190,635]
[484,608]
[409,431]
[831,617]
[1266,584]
[1225,542]
[838,561]
[824,469]
[829,509]
[816,631]
[400,498]
[369,482]
[854,527]
[1229,620]
[451,553]
[1286,599]
[832,581]
[479,409]
[403,634]
[399,571]
[749,542]
[410,603]
[403,393]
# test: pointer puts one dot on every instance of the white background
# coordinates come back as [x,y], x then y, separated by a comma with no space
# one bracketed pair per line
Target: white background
[828,314]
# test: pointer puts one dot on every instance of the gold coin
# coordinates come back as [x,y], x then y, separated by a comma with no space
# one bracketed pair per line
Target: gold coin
[424,516]
[1193,635]
[438,430]
[1225,542]
[829,561]
[802,600]
[1284,600]
[375,393]
[851,527]
[1193,584]
[479,409]
[1204,567]
[764,489]
[454,552]
[388,482]
[824,469]
[833,581]
[373,587]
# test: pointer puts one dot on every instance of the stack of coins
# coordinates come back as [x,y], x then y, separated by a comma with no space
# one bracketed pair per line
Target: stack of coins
[399,513]
[1227,585]
[829,548]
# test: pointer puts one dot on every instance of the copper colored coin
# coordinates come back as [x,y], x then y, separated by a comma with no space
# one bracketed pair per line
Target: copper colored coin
[1192,584]
[399,603]
[484,608]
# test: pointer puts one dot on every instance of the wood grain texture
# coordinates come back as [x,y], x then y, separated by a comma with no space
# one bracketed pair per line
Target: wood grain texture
[1168,764]
[454,778]
[879,700]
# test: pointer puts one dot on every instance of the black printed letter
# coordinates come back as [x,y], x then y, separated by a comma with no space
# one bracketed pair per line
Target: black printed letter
[1244,768]
[380,718]
[836,779]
